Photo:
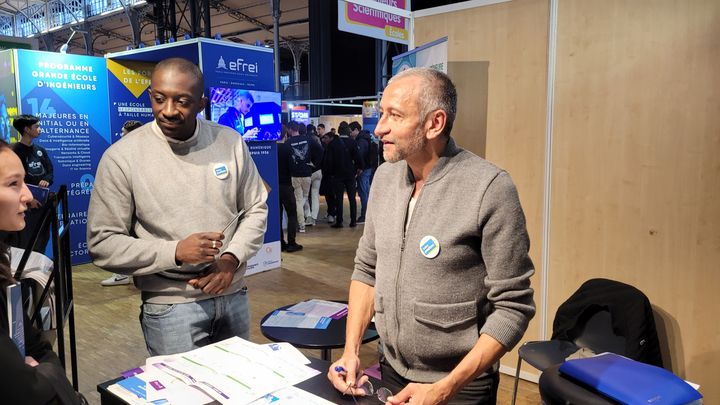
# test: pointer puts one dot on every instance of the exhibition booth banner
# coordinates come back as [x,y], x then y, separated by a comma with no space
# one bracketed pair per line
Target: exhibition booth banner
[128,84]
[69,94]
[374,23]
[8,96]
[433,54]
[237,71]
[371,115]
[264,155]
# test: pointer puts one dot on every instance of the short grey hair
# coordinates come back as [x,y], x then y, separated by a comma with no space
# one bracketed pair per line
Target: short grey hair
[438,93]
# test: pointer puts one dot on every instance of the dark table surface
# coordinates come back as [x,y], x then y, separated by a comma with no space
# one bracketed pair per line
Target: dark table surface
[331,338]
[318,385]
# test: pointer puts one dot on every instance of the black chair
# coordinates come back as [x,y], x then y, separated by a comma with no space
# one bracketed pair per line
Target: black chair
[603,316]
[56,216]
[558,390]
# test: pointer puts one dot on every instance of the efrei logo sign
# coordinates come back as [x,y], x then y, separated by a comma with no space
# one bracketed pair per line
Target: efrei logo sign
[238,65]
[382,19]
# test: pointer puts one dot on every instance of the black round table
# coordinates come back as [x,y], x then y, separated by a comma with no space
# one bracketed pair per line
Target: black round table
[320,339]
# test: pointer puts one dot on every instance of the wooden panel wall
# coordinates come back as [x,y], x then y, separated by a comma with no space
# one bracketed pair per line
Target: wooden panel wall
[636,150]
[636,170]
[512,38]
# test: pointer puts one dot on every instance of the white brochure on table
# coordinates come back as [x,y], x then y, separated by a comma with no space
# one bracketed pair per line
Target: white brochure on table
[233,371]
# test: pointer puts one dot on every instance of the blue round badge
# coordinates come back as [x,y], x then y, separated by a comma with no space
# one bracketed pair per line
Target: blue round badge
[220,171]
[429,247]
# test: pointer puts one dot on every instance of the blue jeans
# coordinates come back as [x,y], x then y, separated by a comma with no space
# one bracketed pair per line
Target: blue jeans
[363,186]
[177,328]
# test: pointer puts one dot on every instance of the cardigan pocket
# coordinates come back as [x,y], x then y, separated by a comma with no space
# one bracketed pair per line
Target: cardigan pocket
[444,332]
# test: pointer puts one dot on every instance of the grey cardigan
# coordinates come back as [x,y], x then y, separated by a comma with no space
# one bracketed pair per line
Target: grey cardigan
[430,311]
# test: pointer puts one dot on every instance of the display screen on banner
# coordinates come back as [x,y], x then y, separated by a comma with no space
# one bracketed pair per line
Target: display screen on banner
[433,54]
[70,96]
[300,116]
[8,97]
[254,114]
[370,22]
[128,84]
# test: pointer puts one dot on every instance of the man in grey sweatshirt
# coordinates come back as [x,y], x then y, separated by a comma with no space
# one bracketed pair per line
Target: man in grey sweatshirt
[162,198]
[443,262]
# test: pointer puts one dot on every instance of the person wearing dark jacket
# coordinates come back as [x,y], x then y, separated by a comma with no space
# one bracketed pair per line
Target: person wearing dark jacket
[35,377]
[287,195]
[366,149]
[306,155]
[343,165]
[35,160]
[326,187]
[312,207]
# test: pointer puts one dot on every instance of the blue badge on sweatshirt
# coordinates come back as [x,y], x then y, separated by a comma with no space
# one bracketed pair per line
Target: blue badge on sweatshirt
[220,170]
[429,247]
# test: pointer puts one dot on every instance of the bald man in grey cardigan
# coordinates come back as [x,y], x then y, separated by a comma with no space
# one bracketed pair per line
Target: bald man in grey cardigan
[443,262]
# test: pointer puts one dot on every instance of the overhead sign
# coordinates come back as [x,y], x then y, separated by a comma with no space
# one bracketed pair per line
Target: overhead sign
[381,19]
[301,116]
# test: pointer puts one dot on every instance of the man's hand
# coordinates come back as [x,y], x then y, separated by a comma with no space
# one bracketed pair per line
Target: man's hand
[34,204]
[343,374]
[219,277]
[425,394]
[44,184]
[199,248]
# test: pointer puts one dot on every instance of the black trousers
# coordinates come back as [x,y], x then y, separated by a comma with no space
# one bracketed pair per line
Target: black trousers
[287,202]
[348,186]
[326,189]
[480,391]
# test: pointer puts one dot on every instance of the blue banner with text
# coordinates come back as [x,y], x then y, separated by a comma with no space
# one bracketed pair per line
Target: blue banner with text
[70,96]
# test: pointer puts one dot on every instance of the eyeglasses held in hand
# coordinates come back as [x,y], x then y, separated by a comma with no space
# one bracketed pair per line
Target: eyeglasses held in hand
[367,388]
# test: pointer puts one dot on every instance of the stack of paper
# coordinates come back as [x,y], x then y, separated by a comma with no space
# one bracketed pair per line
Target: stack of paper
[292,319]
[334,310]
[312,314]
[233,371]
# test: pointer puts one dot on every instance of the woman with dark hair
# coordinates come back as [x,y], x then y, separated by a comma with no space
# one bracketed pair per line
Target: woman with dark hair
[38,378]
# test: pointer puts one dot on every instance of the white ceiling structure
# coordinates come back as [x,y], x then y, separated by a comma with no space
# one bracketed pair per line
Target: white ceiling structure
[242,21]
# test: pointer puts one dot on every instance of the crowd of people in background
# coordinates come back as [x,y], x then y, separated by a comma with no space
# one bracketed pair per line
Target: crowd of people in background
[313,162]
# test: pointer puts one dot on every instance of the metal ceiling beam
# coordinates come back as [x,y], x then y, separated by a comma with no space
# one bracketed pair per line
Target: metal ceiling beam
[218,5]
[251,30]
[112,34]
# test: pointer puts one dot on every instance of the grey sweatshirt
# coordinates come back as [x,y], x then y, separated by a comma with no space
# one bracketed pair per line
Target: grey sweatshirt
[151,192]
[430,311]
